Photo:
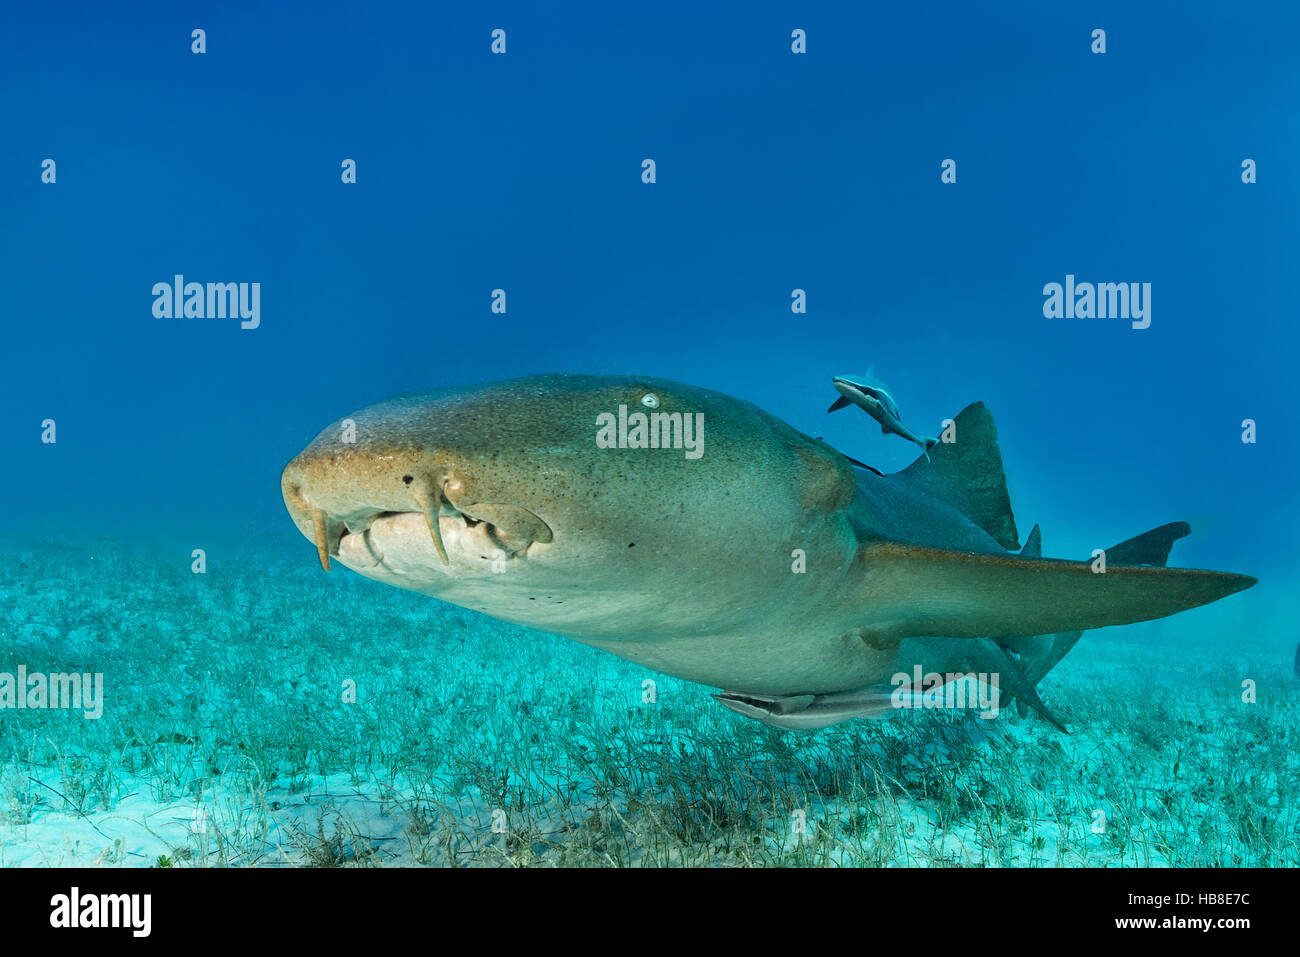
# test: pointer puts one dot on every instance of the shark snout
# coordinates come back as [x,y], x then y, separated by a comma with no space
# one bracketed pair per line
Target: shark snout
[337,493]
[372,507]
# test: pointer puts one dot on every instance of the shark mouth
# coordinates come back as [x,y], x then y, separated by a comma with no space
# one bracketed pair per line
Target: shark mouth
[487,531]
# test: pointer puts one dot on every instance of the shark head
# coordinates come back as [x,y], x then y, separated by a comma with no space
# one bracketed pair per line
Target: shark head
[569,503]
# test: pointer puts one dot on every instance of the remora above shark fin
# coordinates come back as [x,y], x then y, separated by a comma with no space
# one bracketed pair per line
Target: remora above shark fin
[967,474]
[915,591]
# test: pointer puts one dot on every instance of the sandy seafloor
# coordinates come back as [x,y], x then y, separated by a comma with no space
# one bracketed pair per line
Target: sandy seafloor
[225,740]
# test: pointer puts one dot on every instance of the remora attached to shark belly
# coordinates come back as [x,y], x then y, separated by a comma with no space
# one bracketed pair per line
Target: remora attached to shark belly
[768,567]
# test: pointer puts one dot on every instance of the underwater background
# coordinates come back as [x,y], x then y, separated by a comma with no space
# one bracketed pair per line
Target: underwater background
[223,739]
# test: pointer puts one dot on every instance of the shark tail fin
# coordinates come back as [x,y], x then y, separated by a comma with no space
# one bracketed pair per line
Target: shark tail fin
[967,474]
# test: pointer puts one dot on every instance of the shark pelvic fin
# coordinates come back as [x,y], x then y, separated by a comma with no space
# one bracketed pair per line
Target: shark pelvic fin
[1012,682]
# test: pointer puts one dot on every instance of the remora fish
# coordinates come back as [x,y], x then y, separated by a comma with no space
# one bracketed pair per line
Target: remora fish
[768,567]
[871,395]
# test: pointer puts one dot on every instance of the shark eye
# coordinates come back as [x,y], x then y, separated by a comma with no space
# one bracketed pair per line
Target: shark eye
[650,400]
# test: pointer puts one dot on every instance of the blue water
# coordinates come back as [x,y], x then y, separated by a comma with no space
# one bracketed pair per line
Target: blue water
[774,172]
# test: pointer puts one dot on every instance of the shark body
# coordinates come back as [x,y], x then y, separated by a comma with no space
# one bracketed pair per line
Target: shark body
[768,567]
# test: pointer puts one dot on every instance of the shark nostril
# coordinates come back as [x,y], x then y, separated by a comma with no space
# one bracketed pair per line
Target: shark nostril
[293,495]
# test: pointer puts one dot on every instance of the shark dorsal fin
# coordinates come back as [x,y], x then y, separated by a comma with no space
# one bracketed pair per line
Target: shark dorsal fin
[967,474]
[1033,544]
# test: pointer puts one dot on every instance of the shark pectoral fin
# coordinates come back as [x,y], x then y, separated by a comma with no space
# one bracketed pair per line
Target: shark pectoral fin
[914,591]
[840,403]
[1149,548]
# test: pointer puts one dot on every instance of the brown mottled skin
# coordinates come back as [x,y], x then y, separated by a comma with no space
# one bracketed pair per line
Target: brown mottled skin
[686,565]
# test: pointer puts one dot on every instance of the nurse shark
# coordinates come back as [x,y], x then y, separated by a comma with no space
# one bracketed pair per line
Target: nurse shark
[754,559]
